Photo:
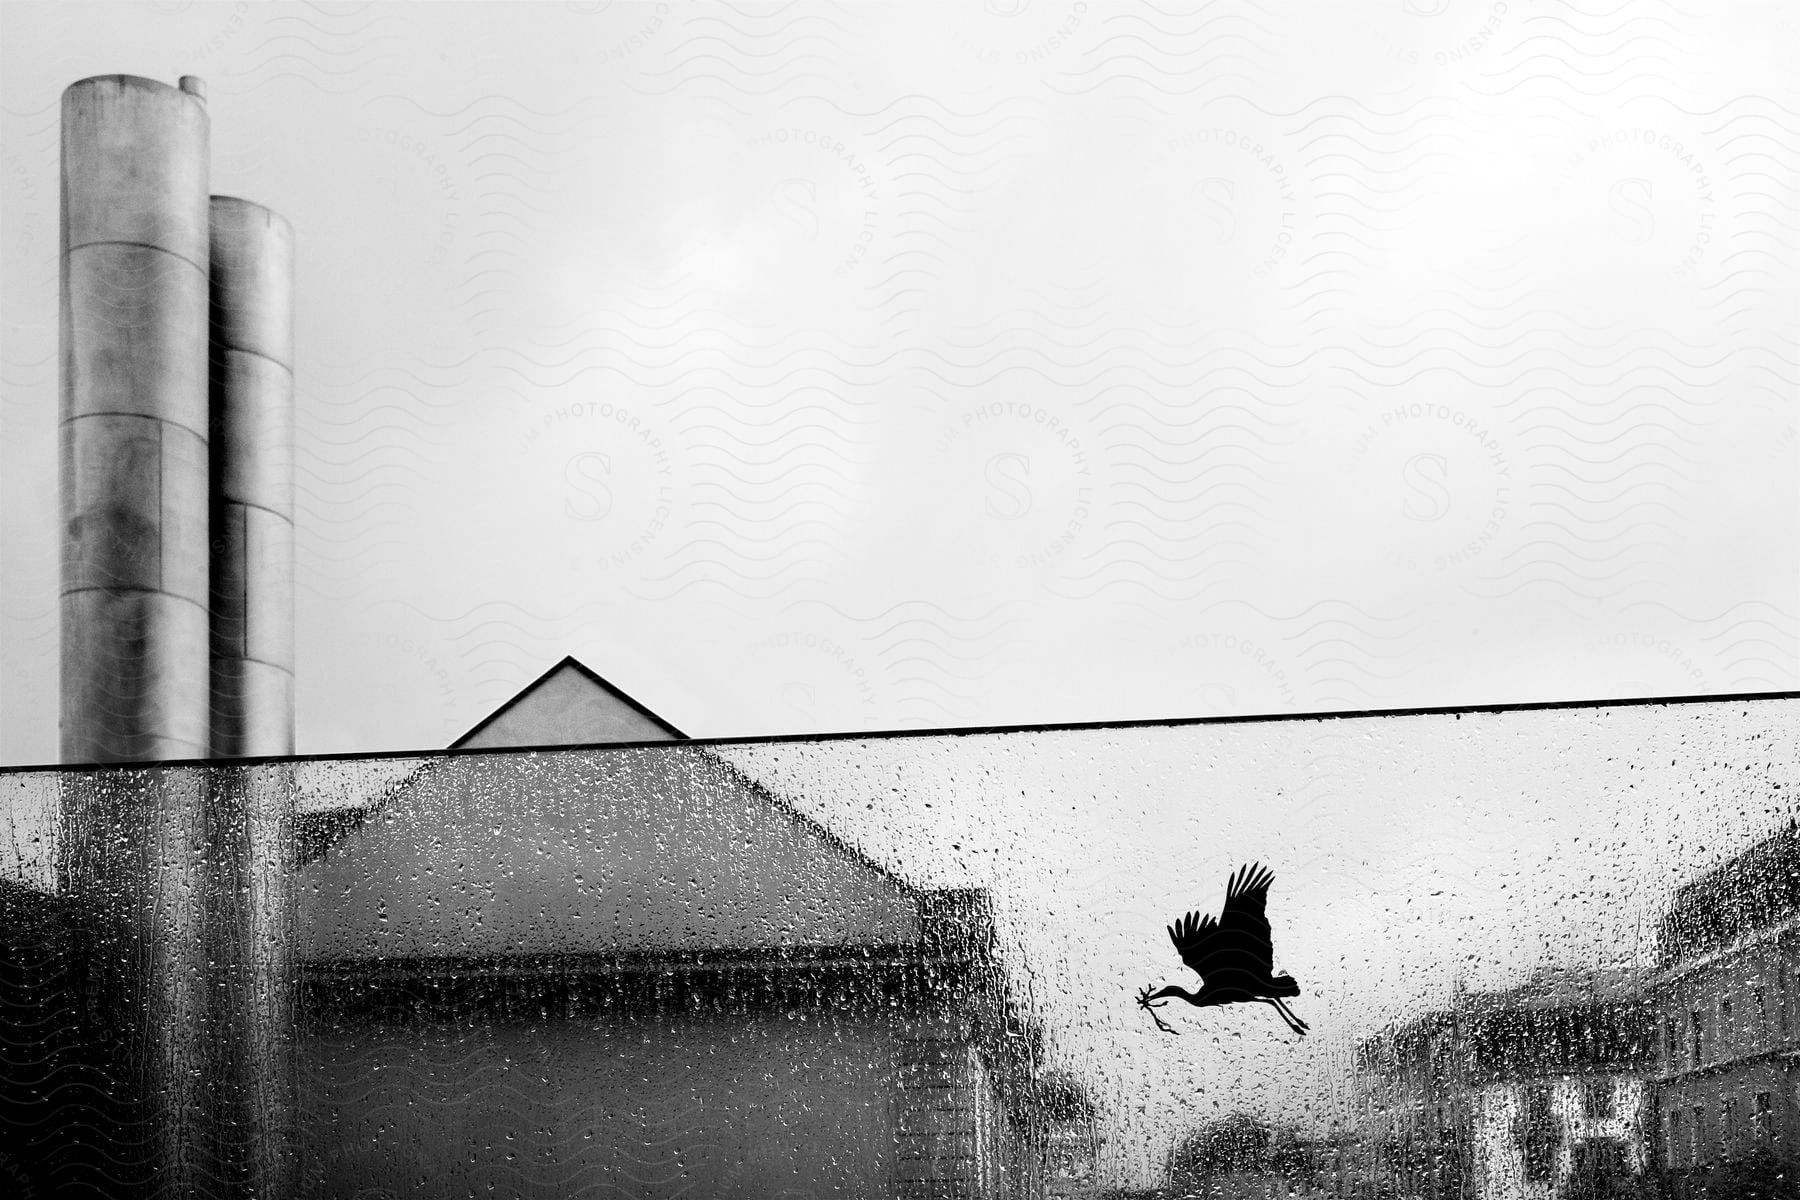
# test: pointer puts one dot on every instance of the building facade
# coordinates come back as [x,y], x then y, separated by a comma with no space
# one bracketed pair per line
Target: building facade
[1413,1106]
[1727,1074]
[1535,1093]
[547,972]
[1070,1131]
[594,968]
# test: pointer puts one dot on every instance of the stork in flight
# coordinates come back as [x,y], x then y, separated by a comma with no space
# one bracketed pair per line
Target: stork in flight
[1233,955]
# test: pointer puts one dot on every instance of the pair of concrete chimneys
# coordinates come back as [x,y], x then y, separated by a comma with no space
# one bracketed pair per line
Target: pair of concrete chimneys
[176,439]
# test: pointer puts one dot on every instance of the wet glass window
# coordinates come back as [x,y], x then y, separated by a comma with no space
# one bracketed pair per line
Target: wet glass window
[908,967]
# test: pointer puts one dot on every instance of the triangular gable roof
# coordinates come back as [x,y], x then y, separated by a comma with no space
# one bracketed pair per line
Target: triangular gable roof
[568,705]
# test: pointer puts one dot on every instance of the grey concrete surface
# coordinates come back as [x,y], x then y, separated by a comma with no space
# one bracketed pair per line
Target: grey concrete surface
[252,417]
[136,166]
[250,947]
[136,572]
[138,688]
[182,877]
[189,992]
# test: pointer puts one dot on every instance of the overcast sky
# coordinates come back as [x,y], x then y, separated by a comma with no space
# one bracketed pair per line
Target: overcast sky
[805,368]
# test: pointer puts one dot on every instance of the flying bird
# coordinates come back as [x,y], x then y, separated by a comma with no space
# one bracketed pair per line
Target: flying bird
[1233,955]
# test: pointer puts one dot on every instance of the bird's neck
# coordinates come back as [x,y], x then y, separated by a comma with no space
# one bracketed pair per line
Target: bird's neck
[1175,993]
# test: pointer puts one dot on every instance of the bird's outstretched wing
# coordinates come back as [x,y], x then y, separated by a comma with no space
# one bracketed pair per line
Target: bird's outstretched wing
[1238,942]
[1193,937]
[1244,919]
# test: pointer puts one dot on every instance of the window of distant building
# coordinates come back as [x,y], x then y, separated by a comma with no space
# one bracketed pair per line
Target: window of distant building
[983,1121]
[1781,996]
[1671,1136]
[1728,1123]
[1726,1030]
[1695,1136]
[1670,1039]
[1600,1099]
[1538,1139]
[1764,1116]
[1699,1035]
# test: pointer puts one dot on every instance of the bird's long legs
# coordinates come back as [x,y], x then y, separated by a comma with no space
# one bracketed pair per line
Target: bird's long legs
[1294,1023]
[1289,1014]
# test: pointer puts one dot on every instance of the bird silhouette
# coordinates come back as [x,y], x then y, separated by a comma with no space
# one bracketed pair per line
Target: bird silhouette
[1233,955]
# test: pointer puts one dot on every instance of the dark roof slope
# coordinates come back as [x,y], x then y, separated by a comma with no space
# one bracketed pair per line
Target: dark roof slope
[1752,891]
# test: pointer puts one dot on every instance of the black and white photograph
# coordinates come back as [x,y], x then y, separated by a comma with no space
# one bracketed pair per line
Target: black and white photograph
[1012,599]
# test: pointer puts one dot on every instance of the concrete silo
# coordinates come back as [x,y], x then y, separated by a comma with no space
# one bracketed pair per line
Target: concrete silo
[177,643]
[134,422]
[253,480]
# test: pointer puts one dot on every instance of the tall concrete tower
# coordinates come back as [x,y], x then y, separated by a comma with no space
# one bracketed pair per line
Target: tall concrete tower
[177,503]
[253,480]
[136,575]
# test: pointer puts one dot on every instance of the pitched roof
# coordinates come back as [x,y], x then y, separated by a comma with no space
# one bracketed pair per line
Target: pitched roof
[568,705]
[1753,890]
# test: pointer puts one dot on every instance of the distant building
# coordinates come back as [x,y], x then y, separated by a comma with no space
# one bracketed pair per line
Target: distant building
[1525,1094]
[1336,1165]
[1071,1135]
[637,966]
[1074,1160]
[583,969]
[1413,1103]
[1557,1074]
[1726,1076]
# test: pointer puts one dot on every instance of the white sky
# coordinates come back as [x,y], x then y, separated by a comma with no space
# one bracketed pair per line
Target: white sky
[521,224]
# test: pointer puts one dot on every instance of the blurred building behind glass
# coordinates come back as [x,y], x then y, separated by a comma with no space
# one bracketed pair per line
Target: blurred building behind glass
[1513,1093]
[546,972]
[1681,1080]
[606,967]
[1725,1077]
